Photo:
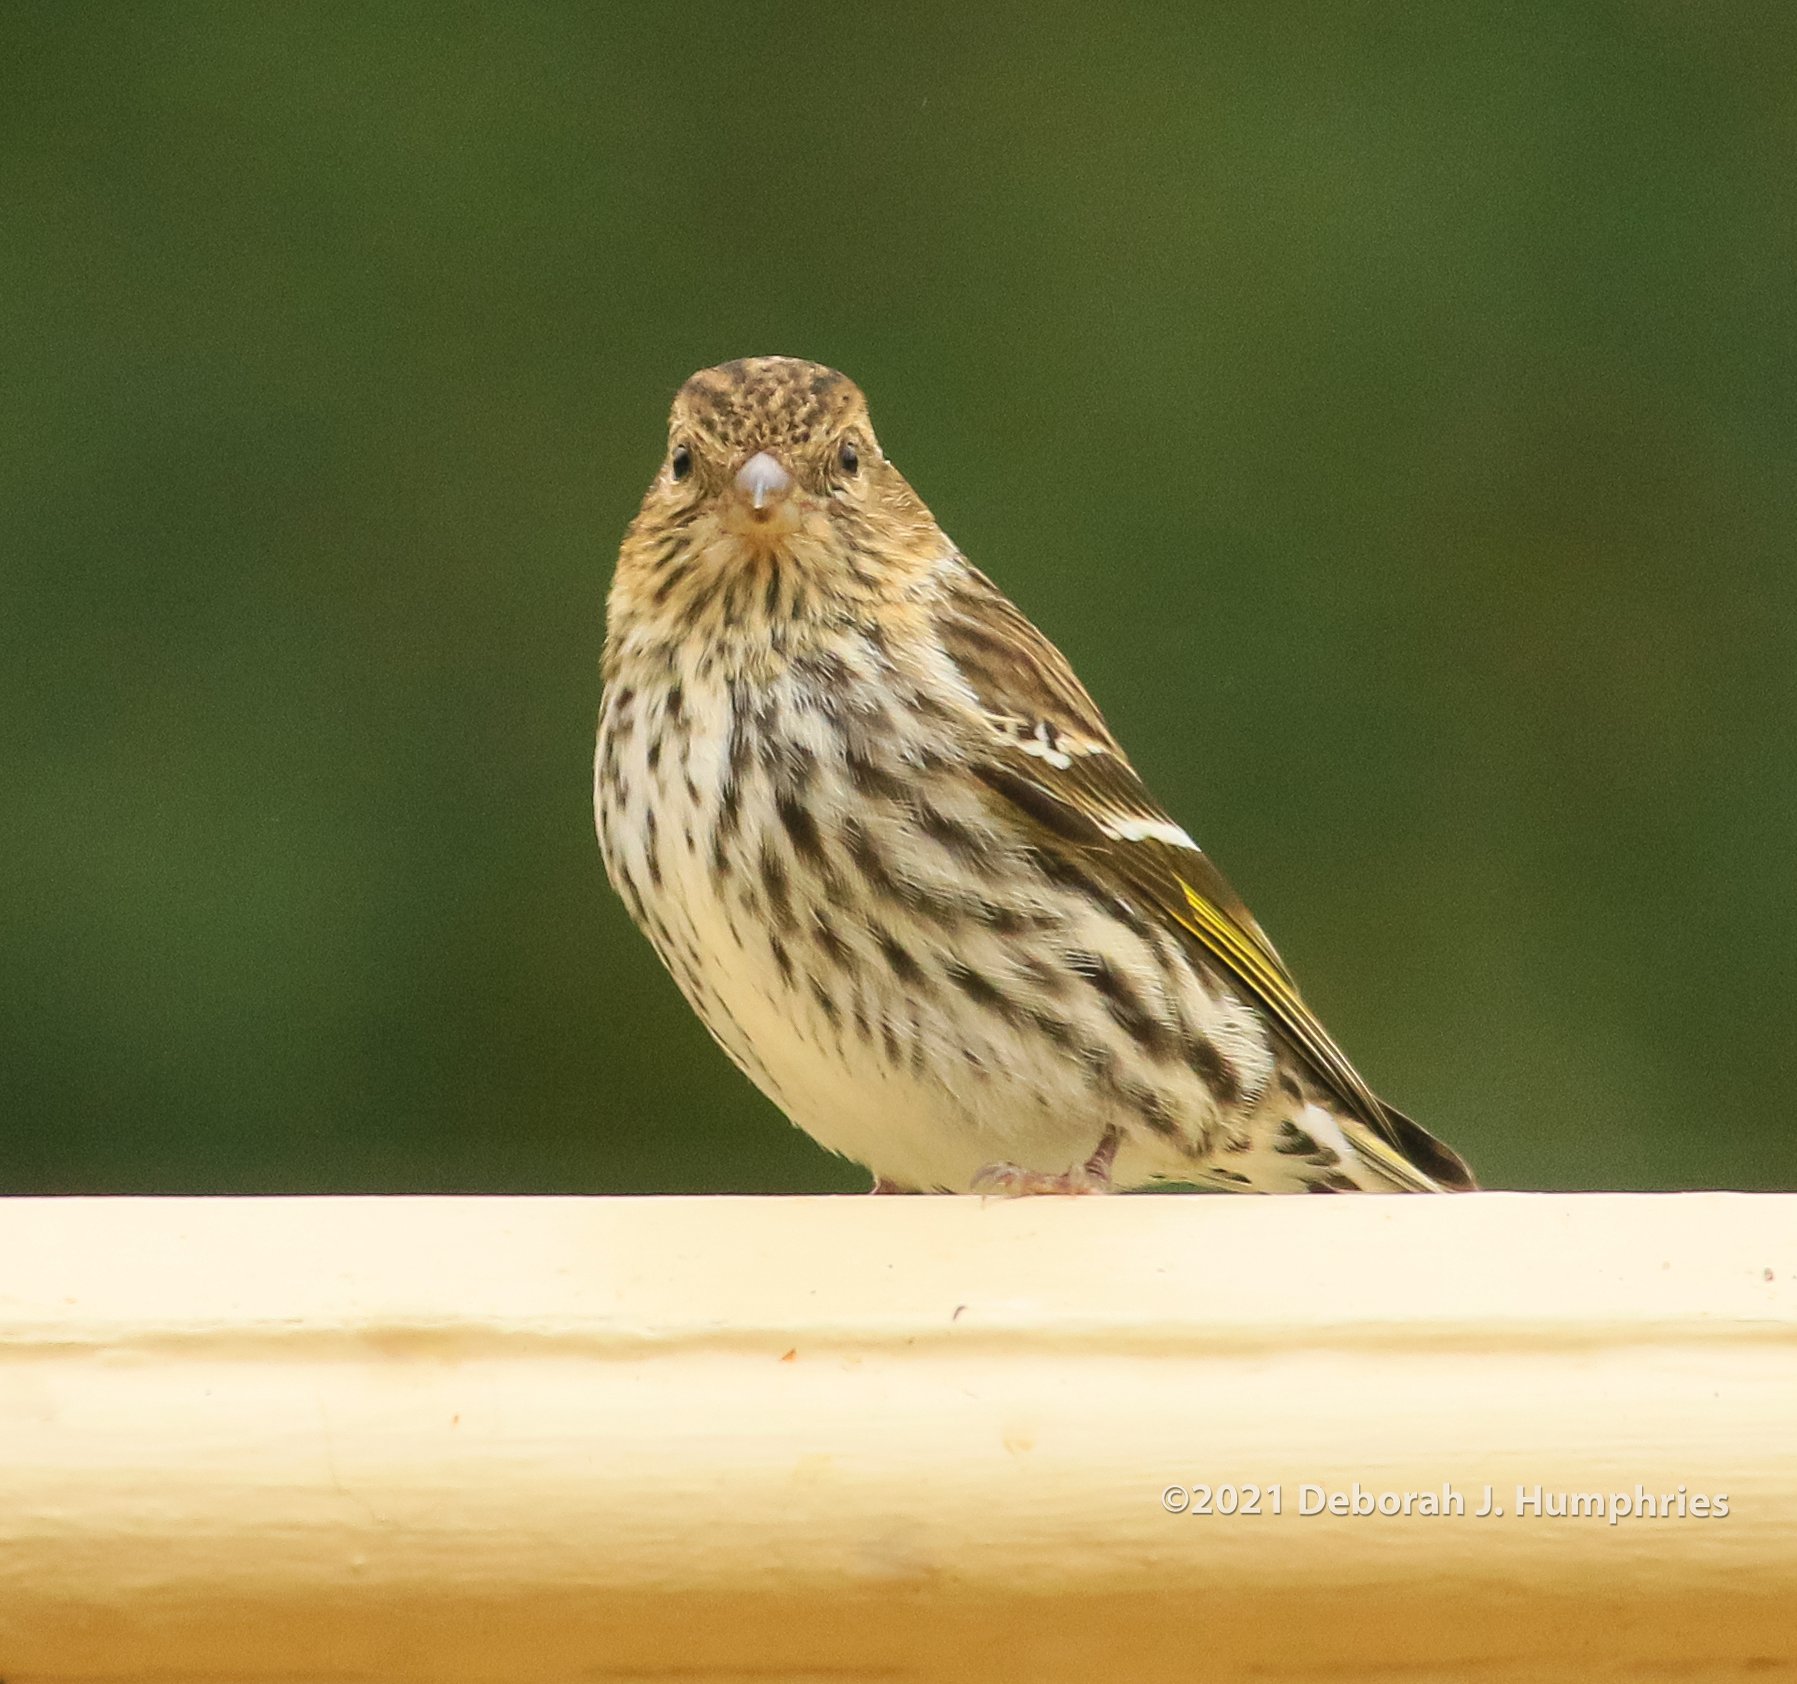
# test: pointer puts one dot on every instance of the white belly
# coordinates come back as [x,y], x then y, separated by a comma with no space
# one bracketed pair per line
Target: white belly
[924,1084]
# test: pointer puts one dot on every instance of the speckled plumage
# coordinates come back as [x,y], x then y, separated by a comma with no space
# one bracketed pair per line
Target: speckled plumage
[887,847]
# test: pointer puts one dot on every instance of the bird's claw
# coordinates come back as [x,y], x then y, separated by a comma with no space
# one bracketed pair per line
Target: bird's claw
[1013,1181]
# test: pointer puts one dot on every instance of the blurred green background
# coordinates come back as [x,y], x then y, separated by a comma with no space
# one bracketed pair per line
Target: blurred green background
[1392,410]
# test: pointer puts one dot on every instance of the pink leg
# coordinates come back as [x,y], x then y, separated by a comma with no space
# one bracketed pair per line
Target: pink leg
[882,1185]
[1012,1181]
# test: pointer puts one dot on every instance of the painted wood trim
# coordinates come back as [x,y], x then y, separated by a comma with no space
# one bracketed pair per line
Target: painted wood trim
[511,1439]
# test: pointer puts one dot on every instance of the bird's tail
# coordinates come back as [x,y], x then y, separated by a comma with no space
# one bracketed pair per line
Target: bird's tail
[1405,1157]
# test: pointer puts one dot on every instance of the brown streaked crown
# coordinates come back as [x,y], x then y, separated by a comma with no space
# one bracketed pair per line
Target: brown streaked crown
[764,403]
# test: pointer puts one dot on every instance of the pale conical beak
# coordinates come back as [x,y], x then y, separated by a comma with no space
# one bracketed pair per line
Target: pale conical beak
[762,478]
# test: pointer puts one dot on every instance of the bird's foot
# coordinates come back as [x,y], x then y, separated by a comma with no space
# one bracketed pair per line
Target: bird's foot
[1013,1181]
[882,1185]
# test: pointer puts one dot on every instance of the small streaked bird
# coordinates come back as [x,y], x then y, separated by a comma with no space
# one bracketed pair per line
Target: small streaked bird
[896,861]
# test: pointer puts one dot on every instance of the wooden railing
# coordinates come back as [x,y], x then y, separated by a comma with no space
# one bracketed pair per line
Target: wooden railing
[520,1439]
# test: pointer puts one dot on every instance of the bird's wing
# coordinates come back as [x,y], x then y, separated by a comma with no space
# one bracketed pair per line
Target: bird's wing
[1050,756]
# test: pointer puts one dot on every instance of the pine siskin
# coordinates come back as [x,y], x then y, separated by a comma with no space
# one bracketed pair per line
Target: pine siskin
[884,841]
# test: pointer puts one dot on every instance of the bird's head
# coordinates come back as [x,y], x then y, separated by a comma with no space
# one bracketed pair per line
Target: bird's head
[773,480]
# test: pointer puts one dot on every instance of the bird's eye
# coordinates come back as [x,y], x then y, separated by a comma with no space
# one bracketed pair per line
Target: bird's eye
[680,464]
[848,456]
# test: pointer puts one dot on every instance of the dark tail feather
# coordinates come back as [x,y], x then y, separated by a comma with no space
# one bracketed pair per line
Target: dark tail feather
[1436,1160]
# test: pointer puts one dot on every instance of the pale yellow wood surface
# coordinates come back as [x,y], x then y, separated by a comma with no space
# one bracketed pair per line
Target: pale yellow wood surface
[443,1439]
